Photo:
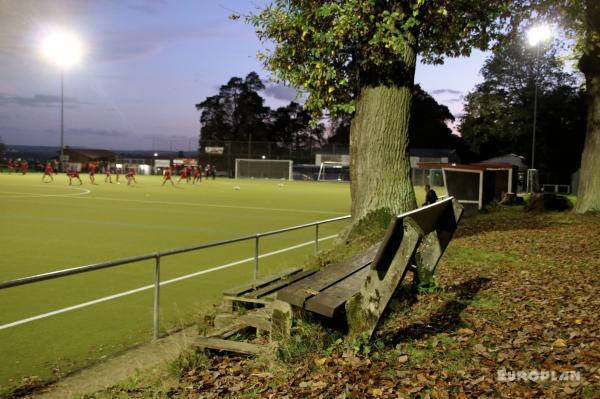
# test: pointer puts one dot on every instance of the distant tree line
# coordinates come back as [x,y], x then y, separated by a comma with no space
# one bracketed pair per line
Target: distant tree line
[238,113]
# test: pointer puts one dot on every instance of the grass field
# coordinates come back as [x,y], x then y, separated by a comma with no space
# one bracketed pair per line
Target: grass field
[52,226]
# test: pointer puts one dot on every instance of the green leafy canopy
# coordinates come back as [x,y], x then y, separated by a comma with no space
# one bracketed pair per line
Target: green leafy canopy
[325,48]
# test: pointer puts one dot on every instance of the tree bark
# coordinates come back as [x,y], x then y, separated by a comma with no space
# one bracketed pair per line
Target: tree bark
[379,158]
[588,194]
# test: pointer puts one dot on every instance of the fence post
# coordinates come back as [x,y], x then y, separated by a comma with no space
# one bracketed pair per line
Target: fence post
[316,238]
[156,295]
[256,256]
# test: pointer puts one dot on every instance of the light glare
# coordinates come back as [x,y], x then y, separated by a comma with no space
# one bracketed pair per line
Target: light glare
[538,34]
[62,49]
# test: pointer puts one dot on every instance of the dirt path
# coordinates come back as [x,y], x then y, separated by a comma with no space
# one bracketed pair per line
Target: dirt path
[120,367]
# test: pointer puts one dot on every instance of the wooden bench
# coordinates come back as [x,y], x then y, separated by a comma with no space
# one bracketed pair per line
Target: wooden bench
[358,288]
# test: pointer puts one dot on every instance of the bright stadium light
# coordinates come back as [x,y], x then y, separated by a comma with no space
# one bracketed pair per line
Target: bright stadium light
[64,50]
[539,34]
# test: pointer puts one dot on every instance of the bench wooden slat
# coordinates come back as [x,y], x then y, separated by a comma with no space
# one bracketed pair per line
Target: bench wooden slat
[231,346]
[237,291]
[334,297]
[297,293]
[268,289]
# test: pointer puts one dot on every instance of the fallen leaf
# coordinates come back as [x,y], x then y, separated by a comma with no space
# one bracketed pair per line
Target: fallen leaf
[321,361]
[559,343]
[465,331]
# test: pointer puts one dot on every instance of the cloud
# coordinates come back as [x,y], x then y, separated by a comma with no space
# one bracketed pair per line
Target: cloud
[282,92]
[458,99]
[449,91]
[40,100]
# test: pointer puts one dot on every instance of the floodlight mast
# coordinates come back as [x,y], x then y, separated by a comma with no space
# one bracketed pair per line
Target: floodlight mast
[64,50]
[536,36]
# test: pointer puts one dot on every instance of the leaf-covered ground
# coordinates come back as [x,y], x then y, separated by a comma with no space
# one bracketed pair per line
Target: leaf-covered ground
[517,293]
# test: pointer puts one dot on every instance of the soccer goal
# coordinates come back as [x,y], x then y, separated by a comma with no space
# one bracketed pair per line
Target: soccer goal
[263,168]
[330,170]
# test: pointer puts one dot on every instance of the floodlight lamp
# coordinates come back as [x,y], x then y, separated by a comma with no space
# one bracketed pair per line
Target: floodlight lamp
[63,49]
[538,34]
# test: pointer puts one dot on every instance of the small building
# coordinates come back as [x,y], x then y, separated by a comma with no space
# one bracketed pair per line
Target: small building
[433,155]
[85,156]
[513,159]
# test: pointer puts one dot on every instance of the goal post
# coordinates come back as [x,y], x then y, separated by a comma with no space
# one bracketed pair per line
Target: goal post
[263,168]
[330,168]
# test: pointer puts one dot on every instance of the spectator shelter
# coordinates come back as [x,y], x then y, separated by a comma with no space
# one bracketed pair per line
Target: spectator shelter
[476,185]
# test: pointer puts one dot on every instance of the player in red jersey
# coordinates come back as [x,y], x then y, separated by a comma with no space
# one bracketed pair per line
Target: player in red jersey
[24,167]
[11,166]
[184,175]
[167,175]
[73,174]
[197,175]
[92,168]
[107,171]
[130,176]
[47,172]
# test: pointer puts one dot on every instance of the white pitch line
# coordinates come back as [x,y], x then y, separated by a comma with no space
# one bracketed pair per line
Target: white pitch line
[20,194]
[148,287]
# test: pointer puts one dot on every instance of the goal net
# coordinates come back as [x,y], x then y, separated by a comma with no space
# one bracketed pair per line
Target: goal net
[263,168]
[333,171]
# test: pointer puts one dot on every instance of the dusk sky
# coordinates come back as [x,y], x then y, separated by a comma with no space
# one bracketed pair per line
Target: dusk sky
[147,63]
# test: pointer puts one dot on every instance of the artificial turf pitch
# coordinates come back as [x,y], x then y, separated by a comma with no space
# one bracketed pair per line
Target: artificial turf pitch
[53,226]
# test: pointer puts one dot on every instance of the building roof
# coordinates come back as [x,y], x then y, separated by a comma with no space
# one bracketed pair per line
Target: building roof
[91,153]
[512,159]
[432,152]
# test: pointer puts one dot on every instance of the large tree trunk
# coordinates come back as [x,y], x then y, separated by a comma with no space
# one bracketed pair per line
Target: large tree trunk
[588,194]
[379,159]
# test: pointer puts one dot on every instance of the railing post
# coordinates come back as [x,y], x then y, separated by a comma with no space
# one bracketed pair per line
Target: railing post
[256,238]
[156,296]
[316,238]
[256,256]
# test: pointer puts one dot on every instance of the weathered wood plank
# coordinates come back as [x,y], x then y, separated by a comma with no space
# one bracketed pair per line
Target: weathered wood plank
[236,291]
[297,293]
[231,346]
[328,301]
[269,289]
[262,301]
[256,320]
[365,308]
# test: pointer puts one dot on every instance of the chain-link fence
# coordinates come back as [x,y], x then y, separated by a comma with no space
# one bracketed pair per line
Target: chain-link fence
[222,154]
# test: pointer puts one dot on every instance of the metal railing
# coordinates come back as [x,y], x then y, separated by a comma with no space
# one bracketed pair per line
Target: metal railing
[157,256]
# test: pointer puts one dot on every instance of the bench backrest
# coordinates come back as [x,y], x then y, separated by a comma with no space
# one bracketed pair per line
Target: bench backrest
[441,217]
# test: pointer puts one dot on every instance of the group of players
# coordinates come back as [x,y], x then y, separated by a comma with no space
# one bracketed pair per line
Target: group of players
[186,173]
[16,165]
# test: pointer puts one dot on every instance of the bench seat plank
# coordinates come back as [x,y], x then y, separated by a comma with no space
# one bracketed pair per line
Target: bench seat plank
[297,293]
[269,289]
[333,298]
[237,291]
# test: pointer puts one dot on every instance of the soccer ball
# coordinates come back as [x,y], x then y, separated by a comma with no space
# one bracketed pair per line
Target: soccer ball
[236,187]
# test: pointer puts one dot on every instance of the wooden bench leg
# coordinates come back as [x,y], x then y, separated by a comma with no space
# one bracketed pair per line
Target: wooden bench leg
[364,309]
[281,320]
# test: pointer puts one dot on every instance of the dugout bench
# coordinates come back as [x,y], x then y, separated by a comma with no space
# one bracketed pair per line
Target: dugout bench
[356,290]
